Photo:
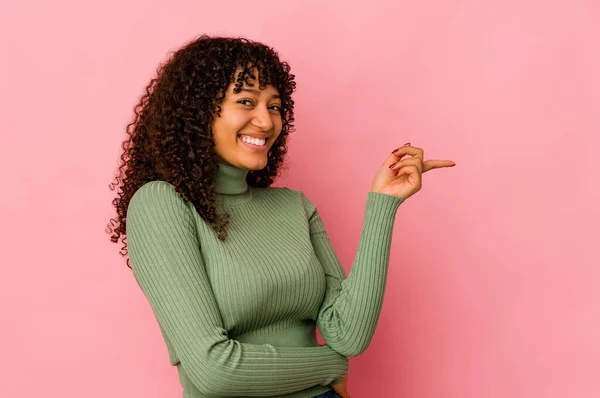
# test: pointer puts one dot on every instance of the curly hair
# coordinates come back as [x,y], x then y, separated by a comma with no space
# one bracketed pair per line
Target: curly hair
[170,136]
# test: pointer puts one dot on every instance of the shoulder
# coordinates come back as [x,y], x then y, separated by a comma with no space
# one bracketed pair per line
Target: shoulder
[154,188]
[296,196]
[156,197]
[286,193]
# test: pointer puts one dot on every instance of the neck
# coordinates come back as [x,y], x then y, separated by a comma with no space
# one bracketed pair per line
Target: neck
[232,185]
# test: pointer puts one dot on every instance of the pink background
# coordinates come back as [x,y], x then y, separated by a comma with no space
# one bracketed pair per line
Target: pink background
[494,282]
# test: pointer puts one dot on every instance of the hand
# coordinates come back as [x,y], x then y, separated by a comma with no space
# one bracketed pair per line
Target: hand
[341,388]
[403,179]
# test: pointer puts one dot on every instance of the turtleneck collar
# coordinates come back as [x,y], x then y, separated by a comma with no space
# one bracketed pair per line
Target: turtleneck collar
[232,185]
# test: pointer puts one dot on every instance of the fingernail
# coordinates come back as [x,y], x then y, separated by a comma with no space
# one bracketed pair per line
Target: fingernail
[392,166]
[395,150]
[408,143]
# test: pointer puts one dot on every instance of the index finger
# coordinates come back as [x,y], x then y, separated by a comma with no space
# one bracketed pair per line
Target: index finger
[437,164]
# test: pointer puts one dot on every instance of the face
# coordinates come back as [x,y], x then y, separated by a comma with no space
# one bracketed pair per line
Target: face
[249,124]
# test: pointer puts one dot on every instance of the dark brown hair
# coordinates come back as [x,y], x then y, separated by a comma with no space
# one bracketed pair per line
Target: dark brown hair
[170,137]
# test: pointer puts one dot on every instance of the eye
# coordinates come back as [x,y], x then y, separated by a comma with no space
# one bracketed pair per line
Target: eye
[276,108]
[245,102]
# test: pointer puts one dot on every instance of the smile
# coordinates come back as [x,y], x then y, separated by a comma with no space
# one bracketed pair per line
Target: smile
[253,143]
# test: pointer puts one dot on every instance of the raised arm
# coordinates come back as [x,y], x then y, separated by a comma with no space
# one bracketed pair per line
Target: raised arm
[351,307]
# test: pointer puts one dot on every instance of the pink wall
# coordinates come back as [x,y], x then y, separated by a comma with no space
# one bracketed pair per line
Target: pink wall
[494,280]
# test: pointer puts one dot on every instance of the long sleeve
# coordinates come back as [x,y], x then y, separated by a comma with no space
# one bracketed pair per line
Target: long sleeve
[167,263]
[351,307]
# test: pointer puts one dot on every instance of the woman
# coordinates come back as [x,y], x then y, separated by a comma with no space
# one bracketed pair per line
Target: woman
[240,274]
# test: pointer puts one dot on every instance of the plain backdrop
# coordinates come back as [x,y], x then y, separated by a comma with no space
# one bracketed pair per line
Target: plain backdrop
[494,280]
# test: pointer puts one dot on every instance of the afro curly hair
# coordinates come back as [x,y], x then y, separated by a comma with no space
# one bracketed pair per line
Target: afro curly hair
[170,137]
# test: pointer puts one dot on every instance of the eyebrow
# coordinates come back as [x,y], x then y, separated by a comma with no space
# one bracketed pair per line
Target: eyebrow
[257,93]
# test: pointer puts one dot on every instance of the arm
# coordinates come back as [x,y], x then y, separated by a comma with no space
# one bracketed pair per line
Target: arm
[167,264]
[350,310]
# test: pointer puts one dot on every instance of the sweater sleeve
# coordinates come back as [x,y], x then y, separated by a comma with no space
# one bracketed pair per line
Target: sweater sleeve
[167,264]
[351,306]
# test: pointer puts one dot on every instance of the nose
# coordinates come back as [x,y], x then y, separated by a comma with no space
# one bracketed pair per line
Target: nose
[262,119]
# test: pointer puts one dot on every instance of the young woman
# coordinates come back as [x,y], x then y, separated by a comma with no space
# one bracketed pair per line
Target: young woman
[239,274]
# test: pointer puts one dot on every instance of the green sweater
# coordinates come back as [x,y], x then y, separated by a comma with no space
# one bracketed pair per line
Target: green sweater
[239,316]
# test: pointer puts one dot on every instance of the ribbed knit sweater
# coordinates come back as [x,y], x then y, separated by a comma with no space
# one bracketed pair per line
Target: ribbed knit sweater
[239,316]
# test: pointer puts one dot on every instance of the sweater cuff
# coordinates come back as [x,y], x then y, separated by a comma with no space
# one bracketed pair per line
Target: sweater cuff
[382,206]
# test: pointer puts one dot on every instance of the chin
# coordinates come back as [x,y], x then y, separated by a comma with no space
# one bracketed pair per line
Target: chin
[255,167]
[253,164]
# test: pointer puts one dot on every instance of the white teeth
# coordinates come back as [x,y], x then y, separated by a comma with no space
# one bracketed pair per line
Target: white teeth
[255,141]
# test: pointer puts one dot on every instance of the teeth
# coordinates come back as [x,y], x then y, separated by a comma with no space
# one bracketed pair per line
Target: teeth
[255,141]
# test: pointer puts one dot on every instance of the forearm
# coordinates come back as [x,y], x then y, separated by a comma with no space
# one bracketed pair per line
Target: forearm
[236,369]
[350,311]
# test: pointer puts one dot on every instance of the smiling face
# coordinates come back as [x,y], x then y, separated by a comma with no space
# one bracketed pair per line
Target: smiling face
[249,124]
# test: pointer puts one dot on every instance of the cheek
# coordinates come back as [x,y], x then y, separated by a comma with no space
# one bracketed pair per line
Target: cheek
[226,128]
[277,124]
